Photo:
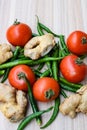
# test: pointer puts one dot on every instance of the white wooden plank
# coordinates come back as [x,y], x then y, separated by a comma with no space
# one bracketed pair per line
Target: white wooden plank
[62,16]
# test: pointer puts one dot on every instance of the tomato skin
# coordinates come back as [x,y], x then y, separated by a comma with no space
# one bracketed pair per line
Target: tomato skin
[72,71]
[75,43]
[42,85]
[19,34]
[20,83]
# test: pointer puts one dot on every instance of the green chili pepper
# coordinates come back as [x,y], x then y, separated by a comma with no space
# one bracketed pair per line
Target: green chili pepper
[29,118]
[2,72]
[34,35]
[31,97]
[72,85]
[39,28]
[28,62]
[55,113]
[45,73]
[63,93]
[47,29]
[68,88]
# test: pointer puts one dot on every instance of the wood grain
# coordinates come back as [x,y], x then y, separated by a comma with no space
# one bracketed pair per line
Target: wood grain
[63,17]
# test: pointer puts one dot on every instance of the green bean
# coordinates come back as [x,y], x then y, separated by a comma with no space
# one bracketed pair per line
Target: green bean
[28,62]
[48,63]
[62,51]
[37,73]
[5,76]
[22,57]
[55,113]
[64,81]
[82,56]
[45,73]
[40,67]
[39,28]
[15,54]
[63,44]
[29,118]
[55,65]
[49,67]
[31,97]
[63,93]
[42,74]
[34,35]
[47,29]
[2,72]
[68,88]
[21,52]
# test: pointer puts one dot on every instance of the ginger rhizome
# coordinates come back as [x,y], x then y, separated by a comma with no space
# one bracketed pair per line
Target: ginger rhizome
[75,103]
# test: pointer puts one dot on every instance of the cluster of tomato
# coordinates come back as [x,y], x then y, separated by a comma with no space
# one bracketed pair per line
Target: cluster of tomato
[71,66]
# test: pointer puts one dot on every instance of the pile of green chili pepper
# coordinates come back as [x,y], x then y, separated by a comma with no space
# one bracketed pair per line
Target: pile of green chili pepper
[52,61]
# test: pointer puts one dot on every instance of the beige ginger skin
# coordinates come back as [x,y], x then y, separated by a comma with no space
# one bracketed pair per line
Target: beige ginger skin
[39,46]
[5,52]
[75,103]
[13,102]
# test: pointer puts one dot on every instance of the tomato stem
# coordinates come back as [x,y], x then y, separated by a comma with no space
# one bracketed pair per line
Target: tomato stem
[84,40]
[16,22]
[50,93]
[21,75]
[79,61]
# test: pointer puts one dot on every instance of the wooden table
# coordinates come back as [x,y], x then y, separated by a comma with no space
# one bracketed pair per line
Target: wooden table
[63,17]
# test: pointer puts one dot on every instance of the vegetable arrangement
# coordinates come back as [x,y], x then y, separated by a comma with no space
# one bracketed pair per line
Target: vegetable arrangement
[64,66]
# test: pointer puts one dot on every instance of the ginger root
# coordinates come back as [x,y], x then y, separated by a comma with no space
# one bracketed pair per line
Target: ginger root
[5,52]
[12,102]
[39,46]
[75,103]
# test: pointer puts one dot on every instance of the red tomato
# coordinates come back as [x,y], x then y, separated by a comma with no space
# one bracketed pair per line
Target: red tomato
[77,43]
[46,89]
[72,69]
[18,34]
[20,83]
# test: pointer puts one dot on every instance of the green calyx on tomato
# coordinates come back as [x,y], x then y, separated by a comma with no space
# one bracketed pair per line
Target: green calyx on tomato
[21,75]
[50,93]
[16,22]
[84,40]
[79,61]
